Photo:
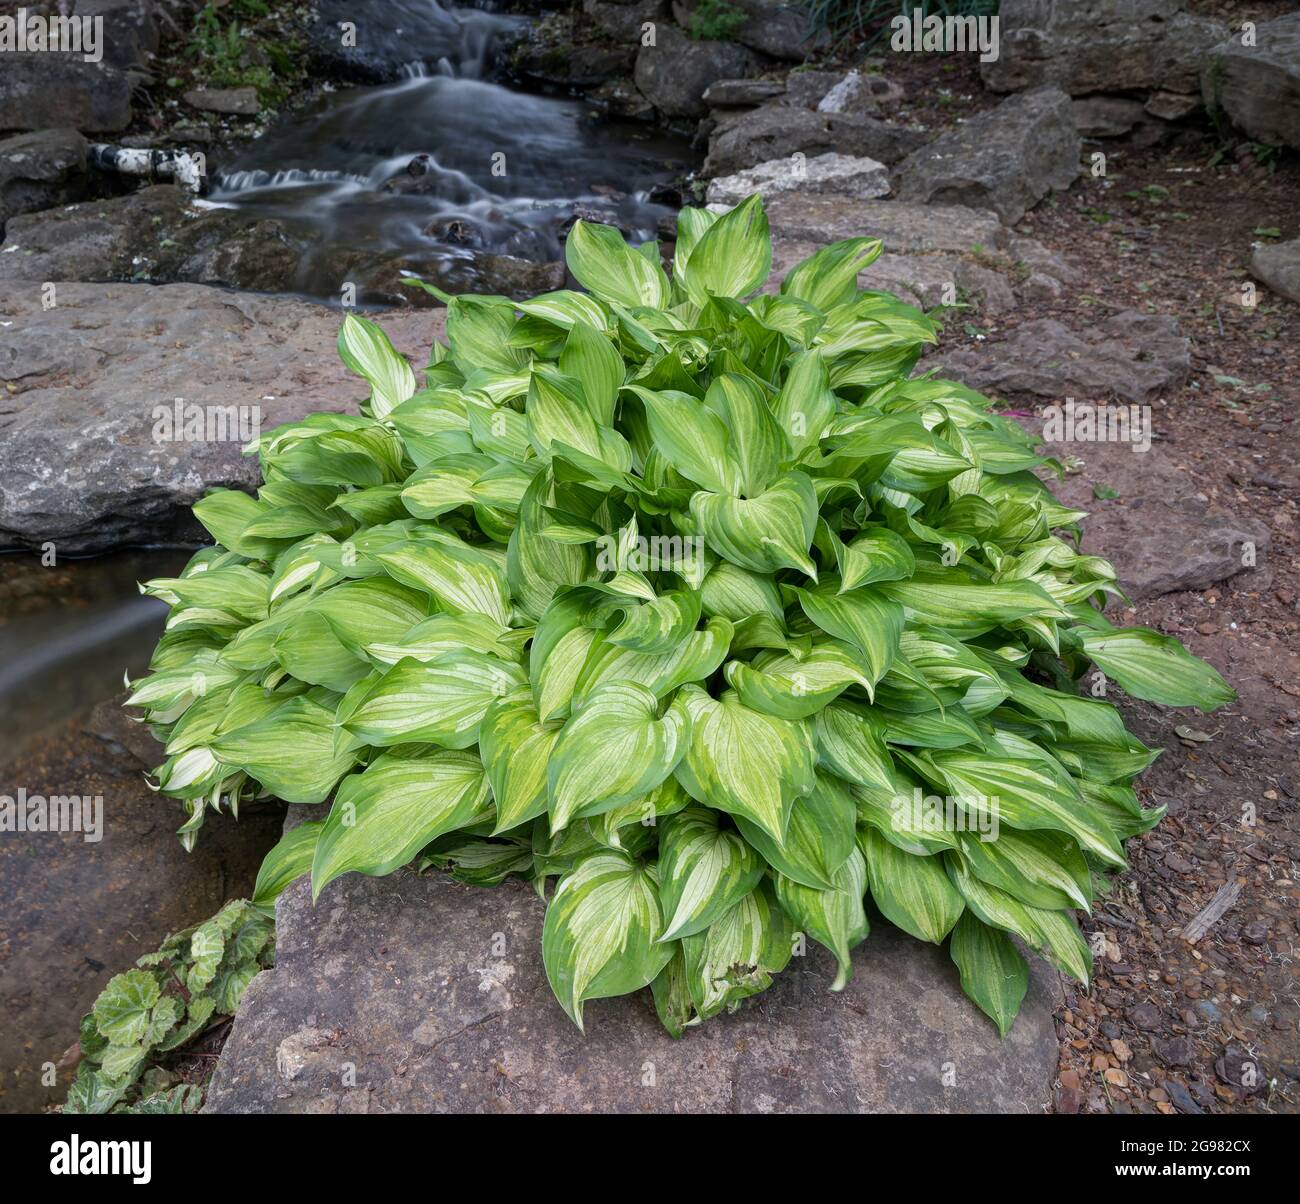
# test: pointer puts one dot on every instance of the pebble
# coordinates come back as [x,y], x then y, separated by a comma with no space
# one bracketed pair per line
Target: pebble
[1208,1012]
[1181,1098]
[1146,1016]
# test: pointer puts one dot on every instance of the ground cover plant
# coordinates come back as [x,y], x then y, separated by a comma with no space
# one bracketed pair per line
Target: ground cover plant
[702,613]
[152,1013]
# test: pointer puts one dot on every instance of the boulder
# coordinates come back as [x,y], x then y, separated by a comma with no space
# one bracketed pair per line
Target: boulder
[157,234]
[778,130]
[1160,532]
[41,90]
[840,174]
[40,170]
[1131,356]
[239,102]
[858,93]
[1258,86]
[773,28]
[79,383]
[677,70]
[1100,46]
[130,29]
[1278,266]
[1006,159]
[435,994]
[624,22]
[622,98]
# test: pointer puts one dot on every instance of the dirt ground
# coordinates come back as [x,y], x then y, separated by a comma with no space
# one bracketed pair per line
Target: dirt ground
[1168,1025]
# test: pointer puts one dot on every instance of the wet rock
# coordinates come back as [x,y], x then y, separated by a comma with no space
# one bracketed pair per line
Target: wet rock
[1258,86]
[80,383]
[157,234]
[840,174]
[742,93]
[401,973]
[1107,116]
[778,130]
[1132,356]
[1278,266]
[239,102]
[39,90]
[1101,46]
[676,71]
[130,889]
[575,67]
[624,99]
[1006,160]
[41,170]
[774,28]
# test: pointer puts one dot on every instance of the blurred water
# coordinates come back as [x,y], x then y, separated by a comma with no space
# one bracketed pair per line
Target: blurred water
[444,160]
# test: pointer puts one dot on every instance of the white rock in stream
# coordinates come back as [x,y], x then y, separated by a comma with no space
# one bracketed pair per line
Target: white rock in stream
[844,175]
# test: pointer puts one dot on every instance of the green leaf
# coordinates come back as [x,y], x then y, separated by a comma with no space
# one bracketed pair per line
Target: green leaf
[864,618]
[829,277]
[609,269]
[516,748]
[746,763]
[1156,667]
[818,840]
[834,918]
[365,349]
[615,749]
[286,863]
[602,929]
[731,259]
[993,973]
[913,893]
[704,869]
[123,1007]
[766,533]
[385,815]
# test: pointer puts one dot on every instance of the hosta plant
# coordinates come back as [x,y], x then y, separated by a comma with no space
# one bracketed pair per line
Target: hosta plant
[703,613]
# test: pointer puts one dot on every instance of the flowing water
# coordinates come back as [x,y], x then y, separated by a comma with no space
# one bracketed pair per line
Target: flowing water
[445,162]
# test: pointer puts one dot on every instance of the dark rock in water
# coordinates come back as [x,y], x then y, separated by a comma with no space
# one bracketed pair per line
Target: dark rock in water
[1278,266]
[622,98]
[1100,46]
[1258,86]
[404,978]
[778,130]
[40,90]
[457,231]
[576,67]
[772,27]
[78,912]
[84,383]
[41,170]
[675,73]
[157,234]
[1132,356]
[1006,160]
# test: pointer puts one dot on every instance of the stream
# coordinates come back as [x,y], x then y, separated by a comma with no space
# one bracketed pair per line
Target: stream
[445,162]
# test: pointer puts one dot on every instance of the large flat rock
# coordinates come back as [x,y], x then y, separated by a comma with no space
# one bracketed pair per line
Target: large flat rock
[79,463]
[387,997]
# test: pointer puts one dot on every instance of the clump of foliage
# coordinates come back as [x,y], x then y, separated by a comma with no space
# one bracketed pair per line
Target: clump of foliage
[681,599]
[173,995]
[242,44]
[715,20]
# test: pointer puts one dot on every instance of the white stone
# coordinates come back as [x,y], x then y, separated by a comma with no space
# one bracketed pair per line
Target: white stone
[844,175]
